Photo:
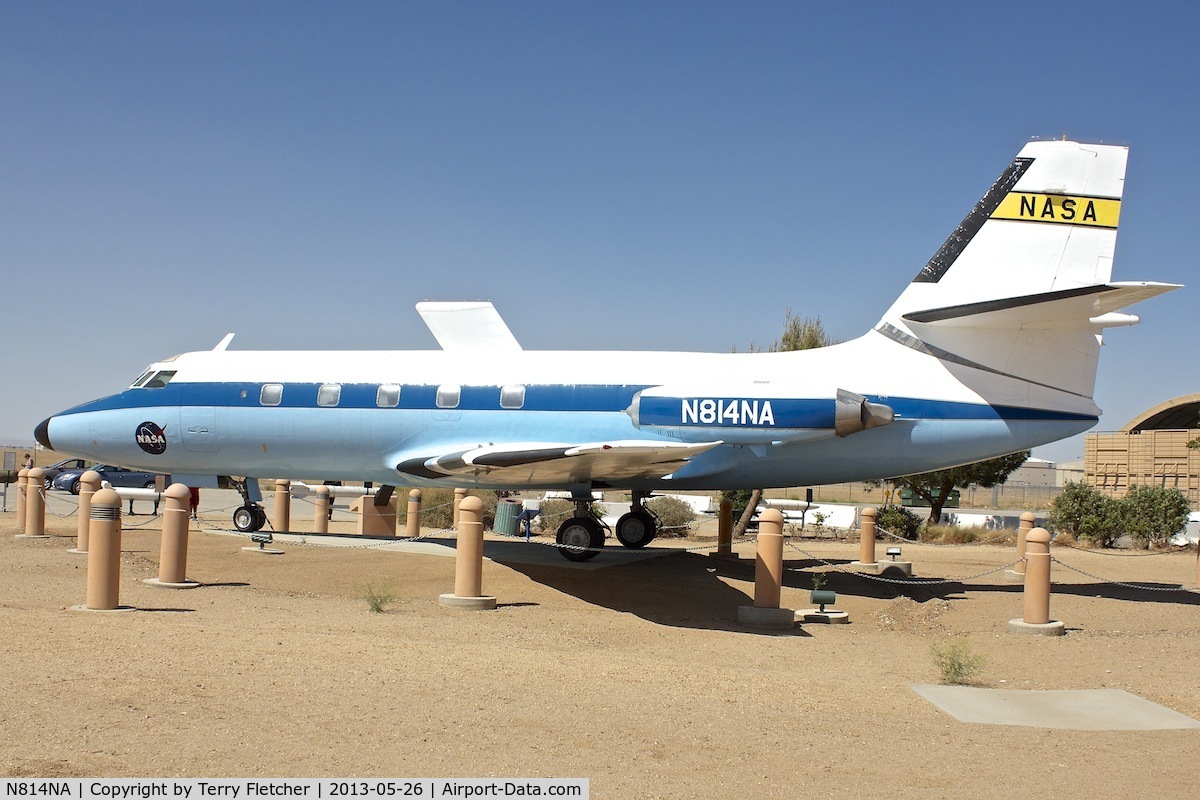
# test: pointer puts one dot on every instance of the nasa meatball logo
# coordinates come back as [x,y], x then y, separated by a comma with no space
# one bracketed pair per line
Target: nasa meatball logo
[151,438]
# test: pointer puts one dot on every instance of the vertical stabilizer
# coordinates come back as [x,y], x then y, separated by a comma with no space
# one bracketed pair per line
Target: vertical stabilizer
[1042,238]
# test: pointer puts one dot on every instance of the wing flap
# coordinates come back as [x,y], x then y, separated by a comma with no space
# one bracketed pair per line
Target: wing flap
[557,462]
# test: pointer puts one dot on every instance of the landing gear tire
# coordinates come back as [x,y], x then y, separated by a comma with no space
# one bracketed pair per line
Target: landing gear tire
[580,532]
[248,518]
[636,529]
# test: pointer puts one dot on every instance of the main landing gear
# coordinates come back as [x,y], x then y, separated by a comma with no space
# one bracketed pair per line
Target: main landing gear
[251,516]
[582,536]
[638,528]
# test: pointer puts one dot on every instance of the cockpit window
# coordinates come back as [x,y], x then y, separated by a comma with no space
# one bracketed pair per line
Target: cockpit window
[159,380]
[145,376]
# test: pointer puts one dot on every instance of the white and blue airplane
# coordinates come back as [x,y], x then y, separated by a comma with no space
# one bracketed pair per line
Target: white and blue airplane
[991,349]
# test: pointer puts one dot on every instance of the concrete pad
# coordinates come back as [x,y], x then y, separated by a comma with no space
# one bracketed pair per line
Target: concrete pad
[782,618]
[1081,710]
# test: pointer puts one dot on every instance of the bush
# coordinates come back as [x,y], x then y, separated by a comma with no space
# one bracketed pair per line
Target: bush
[956,661]
[378,598]
[949,534]
[1086,514]
[1153,514]
[675,517]
[899,521]
[437,508]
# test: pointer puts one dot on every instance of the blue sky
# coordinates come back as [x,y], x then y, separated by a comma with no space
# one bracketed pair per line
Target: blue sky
[670,175]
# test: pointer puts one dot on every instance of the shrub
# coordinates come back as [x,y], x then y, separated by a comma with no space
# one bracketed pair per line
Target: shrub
[957,663]
[1153,514]
[378,597]
[899,521]
[949,534]
[437,508]
[675,517]
[1086,514]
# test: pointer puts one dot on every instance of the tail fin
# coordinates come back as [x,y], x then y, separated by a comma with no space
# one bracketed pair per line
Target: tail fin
[1021,289]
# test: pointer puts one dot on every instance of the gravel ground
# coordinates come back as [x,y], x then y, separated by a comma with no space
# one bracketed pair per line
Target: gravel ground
[635,676]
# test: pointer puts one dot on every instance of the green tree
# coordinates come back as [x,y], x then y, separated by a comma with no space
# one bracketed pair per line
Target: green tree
[934,487]
[799,333]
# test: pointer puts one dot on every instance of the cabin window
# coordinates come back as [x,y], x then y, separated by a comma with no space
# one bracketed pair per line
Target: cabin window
[447,396]
[512,396]
[388,396]
[329,394]
[159,380]
[271,394]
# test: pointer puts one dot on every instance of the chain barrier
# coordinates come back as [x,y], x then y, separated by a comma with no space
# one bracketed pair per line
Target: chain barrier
[904,581]
[46,504]
[1140,586]
[1174,549]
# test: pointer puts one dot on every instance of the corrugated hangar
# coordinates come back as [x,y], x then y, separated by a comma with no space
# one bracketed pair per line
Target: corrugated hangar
[1150,449]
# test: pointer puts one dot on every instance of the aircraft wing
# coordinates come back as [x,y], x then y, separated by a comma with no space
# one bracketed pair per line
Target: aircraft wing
[558,462]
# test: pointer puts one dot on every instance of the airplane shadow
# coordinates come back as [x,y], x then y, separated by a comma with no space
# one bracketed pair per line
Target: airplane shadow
[681,590]
[686,590]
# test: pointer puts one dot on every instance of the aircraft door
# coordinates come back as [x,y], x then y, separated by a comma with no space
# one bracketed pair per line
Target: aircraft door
[199,425]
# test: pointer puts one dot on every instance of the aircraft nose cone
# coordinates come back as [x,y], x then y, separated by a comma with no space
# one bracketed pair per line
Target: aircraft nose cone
[42,433]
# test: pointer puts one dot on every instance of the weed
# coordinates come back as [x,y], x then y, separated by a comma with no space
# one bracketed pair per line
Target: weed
[956,661]
[378,597]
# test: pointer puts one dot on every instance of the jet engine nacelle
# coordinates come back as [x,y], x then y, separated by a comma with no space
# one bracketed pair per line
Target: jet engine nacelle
[752,414]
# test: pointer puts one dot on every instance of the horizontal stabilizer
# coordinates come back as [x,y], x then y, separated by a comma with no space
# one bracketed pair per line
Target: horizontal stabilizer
[1068,308]
[557,463]
[468,326]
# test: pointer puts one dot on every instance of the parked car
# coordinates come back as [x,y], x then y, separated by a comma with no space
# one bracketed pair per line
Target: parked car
[54,470]
[115,476]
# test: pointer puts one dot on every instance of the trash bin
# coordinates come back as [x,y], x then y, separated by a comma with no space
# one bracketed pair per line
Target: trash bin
[507,512]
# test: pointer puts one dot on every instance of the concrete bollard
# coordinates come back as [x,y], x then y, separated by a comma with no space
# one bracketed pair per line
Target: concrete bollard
[468,562]
[866,542]
[1036,618]
[1017,573]
[725,531]
[104,552]
[172,557]
[89,484]
[22,483]
[321,510]
[768,576]
[412,522]
[459,496]
[283,506]
[35,505]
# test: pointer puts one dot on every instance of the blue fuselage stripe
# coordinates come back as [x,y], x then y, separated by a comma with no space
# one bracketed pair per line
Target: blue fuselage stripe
[792,412]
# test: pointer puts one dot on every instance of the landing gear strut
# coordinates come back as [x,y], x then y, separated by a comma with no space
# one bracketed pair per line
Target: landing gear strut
[638,528]
[582,535]
[251,516]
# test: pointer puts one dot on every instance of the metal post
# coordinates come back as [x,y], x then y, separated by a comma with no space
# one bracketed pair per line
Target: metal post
[768,562]
[459,495]
[412,522]
[321,510]
[172,559]
[89,484]
[283,506]
[22,482]
[35,504]
[104,552]
[1036,617]
[866,542]
[1027,521]
[725,529]
[468,565]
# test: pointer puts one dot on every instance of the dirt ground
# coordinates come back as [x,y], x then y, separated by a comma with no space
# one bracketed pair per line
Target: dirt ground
[635,676]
